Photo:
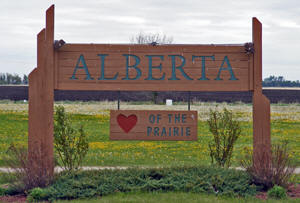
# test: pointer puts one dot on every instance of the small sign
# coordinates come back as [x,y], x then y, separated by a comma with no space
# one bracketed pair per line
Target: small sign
[169,102]
[153,125]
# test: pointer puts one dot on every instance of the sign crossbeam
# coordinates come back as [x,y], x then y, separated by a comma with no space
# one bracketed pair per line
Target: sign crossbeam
[153,68]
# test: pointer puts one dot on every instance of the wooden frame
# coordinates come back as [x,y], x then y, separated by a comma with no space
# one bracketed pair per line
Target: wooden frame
[53,72]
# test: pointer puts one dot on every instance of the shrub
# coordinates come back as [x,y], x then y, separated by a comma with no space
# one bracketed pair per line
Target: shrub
[226,130]
[278,172]
[88,184]
[24,179]
[70,144]
[2,191]
[277,192]
[37,194]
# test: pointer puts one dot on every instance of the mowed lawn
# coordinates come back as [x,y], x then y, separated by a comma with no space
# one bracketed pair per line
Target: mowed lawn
[285,125]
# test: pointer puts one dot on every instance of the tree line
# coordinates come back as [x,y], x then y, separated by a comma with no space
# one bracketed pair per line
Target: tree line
[279,81]
[13,79]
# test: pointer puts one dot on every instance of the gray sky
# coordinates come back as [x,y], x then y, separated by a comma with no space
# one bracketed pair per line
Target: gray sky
[188,21]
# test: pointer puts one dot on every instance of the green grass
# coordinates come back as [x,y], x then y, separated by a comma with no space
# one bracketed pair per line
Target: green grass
[173,197]
[6,178]
[285,125]
[103,152]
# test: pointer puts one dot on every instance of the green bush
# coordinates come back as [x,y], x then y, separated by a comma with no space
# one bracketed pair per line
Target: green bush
[70,144]
[226,130]
[37,194]
[277,192]
[2,191]
[88,184]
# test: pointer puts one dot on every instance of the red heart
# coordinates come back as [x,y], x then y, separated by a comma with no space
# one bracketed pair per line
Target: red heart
[127,123]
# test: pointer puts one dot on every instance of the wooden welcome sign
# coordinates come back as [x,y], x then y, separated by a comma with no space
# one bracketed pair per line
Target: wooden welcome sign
[142,67]
[146,67]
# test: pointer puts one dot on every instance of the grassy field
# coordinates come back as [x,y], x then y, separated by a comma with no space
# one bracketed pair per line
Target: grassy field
[285,125]
[171,197]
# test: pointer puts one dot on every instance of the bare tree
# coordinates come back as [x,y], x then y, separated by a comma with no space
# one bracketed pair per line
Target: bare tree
[151,38]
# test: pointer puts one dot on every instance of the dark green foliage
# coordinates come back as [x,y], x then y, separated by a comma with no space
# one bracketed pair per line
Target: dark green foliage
[15,79]
[277,192]
[70,144]
[37,194]
[279,81]
[25,79]
[88,184]
[226,130]
[2,191]
[155,94]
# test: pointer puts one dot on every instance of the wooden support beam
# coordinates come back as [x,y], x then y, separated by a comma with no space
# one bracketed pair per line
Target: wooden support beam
[35,120]
[257,61]
[48,92]
[261,131]
[261,106]
[41,96]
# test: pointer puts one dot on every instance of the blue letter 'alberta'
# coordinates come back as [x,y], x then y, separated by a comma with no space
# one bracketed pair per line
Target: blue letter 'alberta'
[102,77]
[84,67]
[137,62]
[203,75]
[150,77]
[229,68]
[174,67]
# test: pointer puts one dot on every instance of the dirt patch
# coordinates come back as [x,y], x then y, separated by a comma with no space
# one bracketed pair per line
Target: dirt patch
[14,198]
[262,195]
[293,192]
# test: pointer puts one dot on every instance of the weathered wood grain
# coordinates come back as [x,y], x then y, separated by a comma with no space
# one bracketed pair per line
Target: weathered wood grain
[153,125]
[261,107]
[41,96]
[195,75]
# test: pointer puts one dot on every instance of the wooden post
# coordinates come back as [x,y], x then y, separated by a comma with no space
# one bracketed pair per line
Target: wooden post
[41,94]
[261,106]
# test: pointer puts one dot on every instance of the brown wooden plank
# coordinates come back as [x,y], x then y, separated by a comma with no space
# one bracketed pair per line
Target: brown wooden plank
[153,125]
[144,65]
[41,91]
[251,72]
[148,48]
[116,55]
[48,93]
[194,74]
[149,87]
[56,70]
[171,85]
[257,40]
[35,119]
[261,107]
[261,131]
[116,63]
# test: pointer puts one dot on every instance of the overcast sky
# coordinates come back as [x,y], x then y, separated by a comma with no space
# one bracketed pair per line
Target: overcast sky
[187,21]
